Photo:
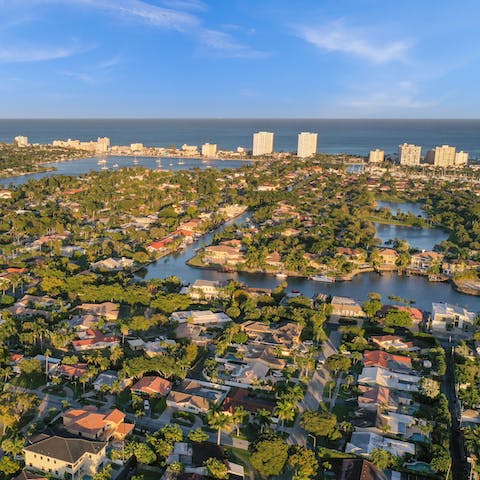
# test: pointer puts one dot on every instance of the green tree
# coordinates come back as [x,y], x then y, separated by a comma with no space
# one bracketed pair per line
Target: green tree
[216,468]
[322,424]
[338,363]
[440,459]
[218,421]
[104,473]
[381,458]
[269,457]
[304,462]
[8,466]
[198,436]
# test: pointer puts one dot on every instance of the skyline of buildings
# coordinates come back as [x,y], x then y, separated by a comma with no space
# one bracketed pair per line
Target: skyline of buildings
[409,154]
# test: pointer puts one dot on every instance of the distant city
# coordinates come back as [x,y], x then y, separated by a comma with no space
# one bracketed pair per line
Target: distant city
[263,145]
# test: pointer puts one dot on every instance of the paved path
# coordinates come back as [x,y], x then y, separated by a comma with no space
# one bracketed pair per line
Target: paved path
[316,386]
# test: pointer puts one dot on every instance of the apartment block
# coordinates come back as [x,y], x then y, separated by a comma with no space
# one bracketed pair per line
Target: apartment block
[376,156]
[209,150]
[21,141]
[444,156]
[262,143]
[409,154]
[307,144]
[461,158]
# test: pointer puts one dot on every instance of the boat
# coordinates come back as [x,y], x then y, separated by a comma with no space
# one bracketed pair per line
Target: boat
[281,275]
[102,161]
[181,162]
[171,163]
[322,278]
[115,165]
[135,161]
[104,167]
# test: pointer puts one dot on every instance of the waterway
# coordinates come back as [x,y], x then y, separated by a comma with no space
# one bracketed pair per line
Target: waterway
[410,288]
[419,238]
[415,288]
[85,165]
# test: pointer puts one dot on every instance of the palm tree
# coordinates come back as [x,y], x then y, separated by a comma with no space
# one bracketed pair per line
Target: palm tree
[238,417]
[285,410]
[47,354]
[264,418]
[218,421]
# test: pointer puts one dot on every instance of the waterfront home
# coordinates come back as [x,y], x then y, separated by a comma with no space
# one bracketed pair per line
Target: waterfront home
[94,340]
[386,378]
[200,317]
[416,315]
[89,423]
[360,469]
[454,267]
[223,255]
[107,310]
[355,255]
[65,457]
[204,289]
[364,443]
[346,307]
[112,264]
[446,317]
[196,397]
[425,260]
[392,341]
[152,386]
[380,358]
[388,258]
[159,245]
[274,260]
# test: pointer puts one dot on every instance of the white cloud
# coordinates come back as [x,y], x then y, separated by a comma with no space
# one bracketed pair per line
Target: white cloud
[36,54]
[336,37]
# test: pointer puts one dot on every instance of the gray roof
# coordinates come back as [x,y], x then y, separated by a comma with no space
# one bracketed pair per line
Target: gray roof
[64,448]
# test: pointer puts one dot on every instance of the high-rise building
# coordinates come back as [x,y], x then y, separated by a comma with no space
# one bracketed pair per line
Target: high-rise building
[21,141]
[409,154]
[376,156]
[461,158]
[103,144]
[444,156]
[136,147]
[262,143]
[307,144]
[209,150]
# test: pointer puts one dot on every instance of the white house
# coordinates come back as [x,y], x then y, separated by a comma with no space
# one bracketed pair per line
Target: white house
[200,317]
[446,316]
[387,378]
[364,443]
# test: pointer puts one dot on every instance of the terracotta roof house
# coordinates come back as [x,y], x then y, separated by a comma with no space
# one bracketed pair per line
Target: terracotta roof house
[71,371]
[26,475]
[241,397]
[61,456]
[152,386]
[94,340]
[191,396]
[359,469]
[388,257]
[373,397]
[90,423]
[380,358]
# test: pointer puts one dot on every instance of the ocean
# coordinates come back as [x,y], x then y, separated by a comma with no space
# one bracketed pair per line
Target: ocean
[334,136]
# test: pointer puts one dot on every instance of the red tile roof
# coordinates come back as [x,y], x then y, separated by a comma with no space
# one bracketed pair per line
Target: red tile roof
[152,386]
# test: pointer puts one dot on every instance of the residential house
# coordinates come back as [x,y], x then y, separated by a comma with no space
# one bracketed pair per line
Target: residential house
[201,317]
[388,258]
[285,335]
[241,397]
[112,264]
[392,341]
[72,372]
[223,255]
[416,315]
[197,334]
[274,260]
[373,397]
[386,378]
[454,267]
[152,386]
[63,457]
[204,289]
[446,316]
[380,358]
[107,310]
[364,443]
[95,340]
[27,475]
[425,260]
[108,378]
[346,307]
[195,397]
[89,423]
[360,469]
[354,255]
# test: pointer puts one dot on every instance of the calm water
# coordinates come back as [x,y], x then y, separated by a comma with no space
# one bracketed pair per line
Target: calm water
[334,136]
[410,288]
[403,207]
[79,167]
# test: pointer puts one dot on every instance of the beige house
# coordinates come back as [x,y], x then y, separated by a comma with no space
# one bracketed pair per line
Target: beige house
[66,457]
[346,307]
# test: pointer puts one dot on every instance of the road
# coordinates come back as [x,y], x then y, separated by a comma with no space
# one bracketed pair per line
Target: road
[314,394]
[460,466]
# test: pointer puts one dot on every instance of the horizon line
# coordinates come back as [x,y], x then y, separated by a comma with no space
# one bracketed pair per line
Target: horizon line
[245,118]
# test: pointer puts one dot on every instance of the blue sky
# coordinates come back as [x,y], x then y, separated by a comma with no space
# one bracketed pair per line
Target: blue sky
[239,58]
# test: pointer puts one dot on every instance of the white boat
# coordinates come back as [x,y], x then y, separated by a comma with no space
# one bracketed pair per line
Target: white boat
[181,162]
[322,278]
[135,161]
[115,165]
[104,167]
[281,275]
[102,161]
